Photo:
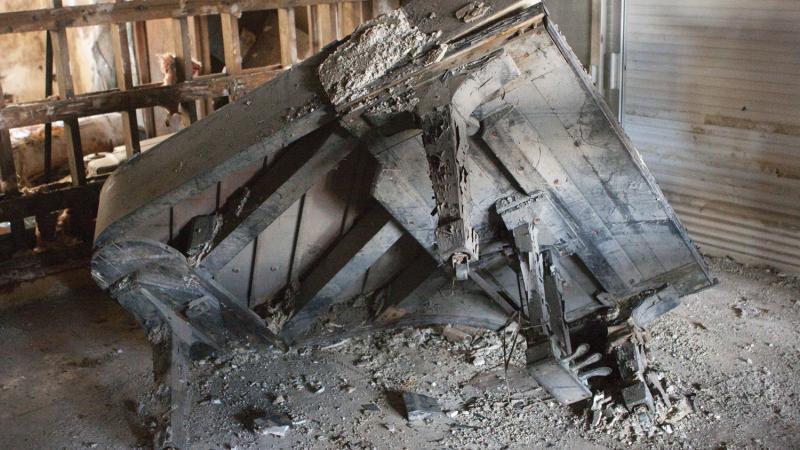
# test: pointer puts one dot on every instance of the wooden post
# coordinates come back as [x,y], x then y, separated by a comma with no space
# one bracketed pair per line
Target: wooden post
[122,66]
[72,135]
[315,28]
[310,23]
[8,171]
[336,21]
[8,178]
[142,52]
[183,65]
[48,127]
[288,36]
[232,47]
[204,55]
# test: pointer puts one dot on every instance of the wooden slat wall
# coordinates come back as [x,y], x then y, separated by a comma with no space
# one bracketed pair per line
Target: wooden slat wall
[284,252]
[712,100]
[325,19]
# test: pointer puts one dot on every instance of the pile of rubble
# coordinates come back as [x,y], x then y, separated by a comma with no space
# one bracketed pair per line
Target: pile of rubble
[452,386]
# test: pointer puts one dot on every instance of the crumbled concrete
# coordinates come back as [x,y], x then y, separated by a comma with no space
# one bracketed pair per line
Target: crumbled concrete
[374,48]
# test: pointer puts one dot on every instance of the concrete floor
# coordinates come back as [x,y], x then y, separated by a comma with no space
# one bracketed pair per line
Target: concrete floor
[74,368]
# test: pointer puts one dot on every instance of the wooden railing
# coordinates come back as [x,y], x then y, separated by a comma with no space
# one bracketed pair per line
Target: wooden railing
[140,92]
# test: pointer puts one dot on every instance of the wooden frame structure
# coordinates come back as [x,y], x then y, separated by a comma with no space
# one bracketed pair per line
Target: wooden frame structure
[327,20]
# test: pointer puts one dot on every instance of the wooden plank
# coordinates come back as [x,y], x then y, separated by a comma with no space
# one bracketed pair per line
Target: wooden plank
[124,72]
[287,34]
[183,65]
[336,21]
[142,53]
[203,49]
[8,179]
[315,30]
[342,266]
[257,205]
[134,11]
[8,170]
[48,127]
[45,201]
[66,90]
[231,47]
[154,94]
[274,255]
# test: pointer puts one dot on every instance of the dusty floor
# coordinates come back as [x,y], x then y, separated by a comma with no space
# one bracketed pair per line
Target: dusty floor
[74,371]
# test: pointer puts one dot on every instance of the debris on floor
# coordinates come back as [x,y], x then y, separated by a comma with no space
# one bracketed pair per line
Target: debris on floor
[419,407]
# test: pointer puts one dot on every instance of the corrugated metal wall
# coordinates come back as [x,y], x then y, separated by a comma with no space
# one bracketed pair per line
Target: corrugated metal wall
[712,100]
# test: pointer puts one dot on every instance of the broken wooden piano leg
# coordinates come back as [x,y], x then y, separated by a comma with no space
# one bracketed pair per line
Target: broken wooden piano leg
[557,367]
[444,134]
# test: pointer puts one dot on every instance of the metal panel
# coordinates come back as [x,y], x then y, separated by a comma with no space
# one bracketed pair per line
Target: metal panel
[711,101]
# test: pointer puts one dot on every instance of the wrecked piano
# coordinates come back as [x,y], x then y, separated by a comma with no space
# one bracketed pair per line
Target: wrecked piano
[485,182]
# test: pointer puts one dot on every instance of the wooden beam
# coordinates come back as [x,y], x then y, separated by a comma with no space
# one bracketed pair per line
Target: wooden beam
[133,11]
[203,48]
[48,127]
[341,267]
[184,70]
[287,34]
[8,170]
[336,21]
[66,90]
[315,28]
[232,47]
[255,206]
[124,72]
[42,202]
[142,52]
[154,94]
[8,179]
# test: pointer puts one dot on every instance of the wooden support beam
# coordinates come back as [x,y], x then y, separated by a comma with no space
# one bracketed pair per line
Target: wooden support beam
[254,207]
[344,265]
[403,188]
[335,21]
[72,135]
[287,34]
[315,28]
[142,52]
[217,85]
[203,48]
[48,127]
[46,201]
[8,170]
[184,70]
[124,72]
[134,11]
[8,179]
[231,47]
